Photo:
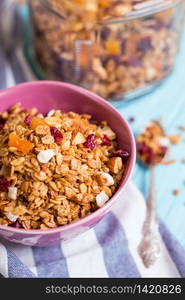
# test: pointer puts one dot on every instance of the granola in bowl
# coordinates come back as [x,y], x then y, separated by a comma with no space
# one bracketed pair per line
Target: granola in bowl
[55,169]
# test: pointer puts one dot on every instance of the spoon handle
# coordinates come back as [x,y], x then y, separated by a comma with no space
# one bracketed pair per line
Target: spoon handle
[151,202]
[149,248]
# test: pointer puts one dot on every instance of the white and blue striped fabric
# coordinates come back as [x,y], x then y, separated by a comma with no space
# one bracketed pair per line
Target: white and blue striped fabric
[108,250]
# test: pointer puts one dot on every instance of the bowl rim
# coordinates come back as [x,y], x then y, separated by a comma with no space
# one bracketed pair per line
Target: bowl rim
[124,179]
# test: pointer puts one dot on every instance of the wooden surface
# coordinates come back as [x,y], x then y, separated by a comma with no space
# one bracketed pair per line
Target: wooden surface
[168,102]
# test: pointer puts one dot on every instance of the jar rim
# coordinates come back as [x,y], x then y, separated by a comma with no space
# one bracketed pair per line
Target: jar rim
[141,10]
[146,9]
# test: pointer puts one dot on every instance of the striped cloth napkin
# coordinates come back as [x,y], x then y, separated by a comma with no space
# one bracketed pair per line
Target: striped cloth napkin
[108,250]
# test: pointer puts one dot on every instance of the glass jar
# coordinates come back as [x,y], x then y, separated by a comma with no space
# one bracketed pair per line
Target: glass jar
[117,49]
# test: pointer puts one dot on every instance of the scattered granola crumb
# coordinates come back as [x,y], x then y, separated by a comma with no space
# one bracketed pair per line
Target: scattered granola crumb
[152,144]
[174,139]
[182,128]
[176,192]
[169,162]
[131,120]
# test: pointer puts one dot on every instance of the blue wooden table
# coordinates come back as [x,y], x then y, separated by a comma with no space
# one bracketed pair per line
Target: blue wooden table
[168,102]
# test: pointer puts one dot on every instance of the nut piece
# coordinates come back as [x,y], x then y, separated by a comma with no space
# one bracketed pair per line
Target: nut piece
[164,141]
[91,6]
[108,132]
[115,164]
[122,9]
[59,159]
[101,199]
[12,193]
[51,113]
[83,188]
[17,162]
[11,217]
[78,139]
[65,145]
[47,140]
[41,175]
[44,156]
[109,180]
[42,130]
[52,121]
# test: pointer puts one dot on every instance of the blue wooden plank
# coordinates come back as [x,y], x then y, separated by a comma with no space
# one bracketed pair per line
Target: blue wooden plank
[167,101]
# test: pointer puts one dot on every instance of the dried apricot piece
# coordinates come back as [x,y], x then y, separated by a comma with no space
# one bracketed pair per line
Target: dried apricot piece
[13,141]
[36,121]
[22,145]
[113,47]
[104,3]
[80,2]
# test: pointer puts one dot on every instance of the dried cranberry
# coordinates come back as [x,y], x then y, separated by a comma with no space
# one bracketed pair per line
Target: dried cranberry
[131,120]
[57,134]
[116,96]
[90,142]
[142,148]
[123,46]
[134,61]
[163,150]
[167,68]
[121,153]
[16,225]
[4,184]
[105,33]
[166,50]
[106,141]
[157,26]
[28,120]
[150,157]
[2,123]
[145,44]
[116,59]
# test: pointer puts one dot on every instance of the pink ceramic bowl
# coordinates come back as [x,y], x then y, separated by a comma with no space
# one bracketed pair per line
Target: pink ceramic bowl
[47,95]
